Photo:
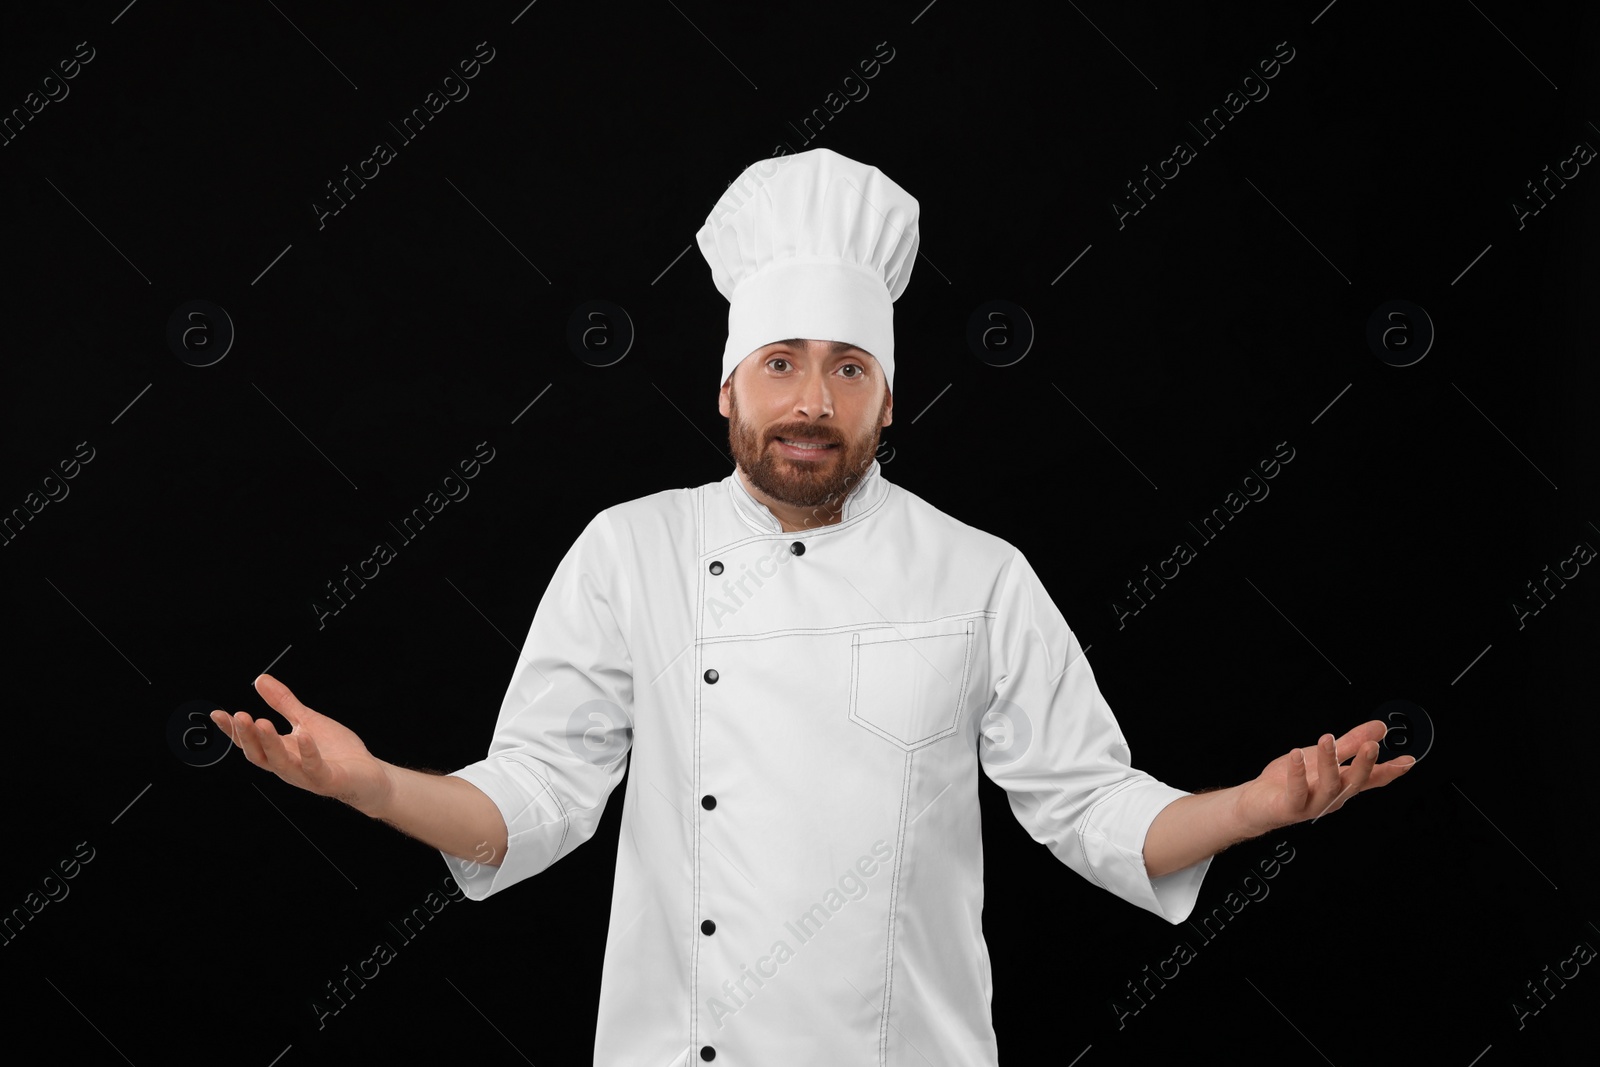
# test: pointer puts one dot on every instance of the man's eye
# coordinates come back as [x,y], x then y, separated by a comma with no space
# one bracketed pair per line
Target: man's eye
[776,359]
[860,370]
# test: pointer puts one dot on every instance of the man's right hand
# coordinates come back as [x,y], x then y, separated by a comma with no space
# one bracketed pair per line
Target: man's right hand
[318,754]
[322,756]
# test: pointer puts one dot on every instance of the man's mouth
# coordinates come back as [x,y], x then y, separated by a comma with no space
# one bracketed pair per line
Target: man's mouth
[804,447]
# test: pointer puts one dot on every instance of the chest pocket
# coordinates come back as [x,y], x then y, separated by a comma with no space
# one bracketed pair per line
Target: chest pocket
[908,683]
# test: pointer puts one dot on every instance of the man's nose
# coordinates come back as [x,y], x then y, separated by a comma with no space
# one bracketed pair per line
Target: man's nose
[815,399]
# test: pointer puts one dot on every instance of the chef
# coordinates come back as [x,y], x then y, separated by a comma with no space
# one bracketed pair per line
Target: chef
[805,667]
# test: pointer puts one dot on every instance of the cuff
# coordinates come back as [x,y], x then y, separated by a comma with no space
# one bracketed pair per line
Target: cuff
[1112,840]
[535,821]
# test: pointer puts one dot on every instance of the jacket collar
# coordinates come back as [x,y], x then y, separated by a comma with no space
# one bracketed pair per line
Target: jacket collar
[868,492]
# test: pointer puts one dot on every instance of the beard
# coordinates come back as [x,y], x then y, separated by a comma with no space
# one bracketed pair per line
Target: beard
[803,483]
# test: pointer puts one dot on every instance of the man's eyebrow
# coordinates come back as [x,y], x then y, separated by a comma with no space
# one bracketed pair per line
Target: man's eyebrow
[834,347]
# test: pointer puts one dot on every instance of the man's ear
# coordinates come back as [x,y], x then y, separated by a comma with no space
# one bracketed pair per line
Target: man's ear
[888,408]
[722,398]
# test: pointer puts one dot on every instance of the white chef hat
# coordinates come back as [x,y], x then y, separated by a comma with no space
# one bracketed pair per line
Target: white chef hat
[811,245]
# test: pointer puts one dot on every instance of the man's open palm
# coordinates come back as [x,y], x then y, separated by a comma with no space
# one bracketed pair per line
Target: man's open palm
[1307,783]
[318,754]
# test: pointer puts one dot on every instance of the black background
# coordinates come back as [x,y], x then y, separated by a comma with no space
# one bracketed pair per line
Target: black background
[1182,346]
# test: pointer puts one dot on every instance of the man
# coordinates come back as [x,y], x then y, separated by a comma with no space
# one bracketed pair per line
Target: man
[806,666]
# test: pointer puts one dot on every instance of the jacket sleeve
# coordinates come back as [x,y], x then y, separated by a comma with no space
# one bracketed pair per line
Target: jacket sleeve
[565,725]
[1050,741]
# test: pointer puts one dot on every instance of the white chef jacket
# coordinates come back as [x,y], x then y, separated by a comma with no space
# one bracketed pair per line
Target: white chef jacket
[800,871]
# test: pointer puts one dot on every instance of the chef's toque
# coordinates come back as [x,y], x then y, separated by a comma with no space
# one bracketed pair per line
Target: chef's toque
[811,245]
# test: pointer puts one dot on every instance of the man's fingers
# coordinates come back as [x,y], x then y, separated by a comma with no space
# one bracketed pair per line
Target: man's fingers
[244,737]
[281,700]
[261,744]
[1372,730]
[1298,790]
[239,732]
[1335,785]
[311,764]
[224,722]
[1354,777]
[1355,780]
[1328,784]
[1362,766]
[1366,773]
[272,748]
[1384,773]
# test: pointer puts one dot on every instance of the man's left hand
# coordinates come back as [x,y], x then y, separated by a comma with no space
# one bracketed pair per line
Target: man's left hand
[1308,783]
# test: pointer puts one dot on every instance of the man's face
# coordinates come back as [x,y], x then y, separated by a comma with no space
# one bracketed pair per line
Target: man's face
[807,392]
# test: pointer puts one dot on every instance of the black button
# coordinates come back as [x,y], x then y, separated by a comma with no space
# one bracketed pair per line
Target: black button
[707,1052]
[716,566]
[798,548]
[708,802]
[708,927]
[711,676]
